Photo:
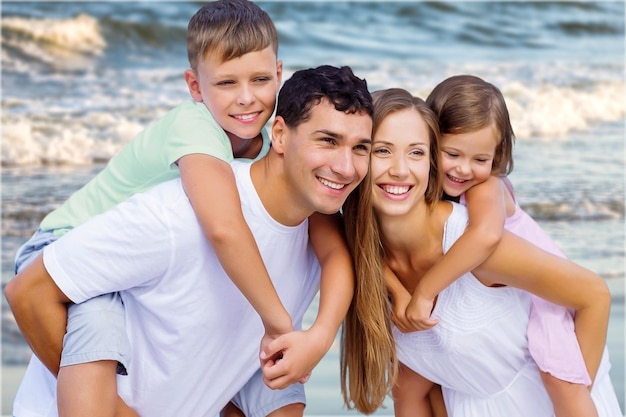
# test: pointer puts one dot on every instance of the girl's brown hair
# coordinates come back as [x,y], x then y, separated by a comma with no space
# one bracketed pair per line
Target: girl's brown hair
[368,356]
[465,104]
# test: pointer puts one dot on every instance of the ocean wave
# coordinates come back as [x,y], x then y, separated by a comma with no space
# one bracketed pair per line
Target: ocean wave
[80,34]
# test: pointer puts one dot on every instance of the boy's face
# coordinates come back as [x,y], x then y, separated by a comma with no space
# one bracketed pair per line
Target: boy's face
[239,93]
[325,157]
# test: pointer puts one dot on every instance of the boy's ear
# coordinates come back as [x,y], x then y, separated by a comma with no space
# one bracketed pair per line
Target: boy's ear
[279,135]
[279,72]
[191,78]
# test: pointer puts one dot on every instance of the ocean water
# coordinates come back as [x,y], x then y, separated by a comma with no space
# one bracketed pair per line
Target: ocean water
[79,79]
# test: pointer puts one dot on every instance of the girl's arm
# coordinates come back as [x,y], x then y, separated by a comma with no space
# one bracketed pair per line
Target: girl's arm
[400,298]
[303,350]
[210,185]
[487,212]
[518,263]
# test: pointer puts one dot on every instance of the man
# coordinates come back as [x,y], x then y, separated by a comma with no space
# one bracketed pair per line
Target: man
[193,336]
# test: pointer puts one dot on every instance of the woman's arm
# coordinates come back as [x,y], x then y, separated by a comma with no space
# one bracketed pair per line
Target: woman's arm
[518,263]
[487,214]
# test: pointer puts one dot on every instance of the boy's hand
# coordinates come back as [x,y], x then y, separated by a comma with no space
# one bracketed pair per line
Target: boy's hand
[291,358]
[418,313]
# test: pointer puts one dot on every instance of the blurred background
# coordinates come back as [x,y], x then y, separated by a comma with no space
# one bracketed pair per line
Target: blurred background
[80,79]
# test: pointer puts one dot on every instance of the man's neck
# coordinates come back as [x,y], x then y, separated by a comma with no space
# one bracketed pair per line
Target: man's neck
[268,178]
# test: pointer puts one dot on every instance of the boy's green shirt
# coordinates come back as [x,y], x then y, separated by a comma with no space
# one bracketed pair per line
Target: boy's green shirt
[147,160]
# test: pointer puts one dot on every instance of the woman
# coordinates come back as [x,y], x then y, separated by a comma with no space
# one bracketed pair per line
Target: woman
[478,352]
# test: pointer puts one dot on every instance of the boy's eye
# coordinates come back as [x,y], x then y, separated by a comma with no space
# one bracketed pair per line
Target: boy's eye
[225,82]
[262,79]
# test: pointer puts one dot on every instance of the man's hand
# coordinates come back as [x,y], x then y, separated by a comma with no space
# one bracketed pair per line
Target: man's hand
[291,358]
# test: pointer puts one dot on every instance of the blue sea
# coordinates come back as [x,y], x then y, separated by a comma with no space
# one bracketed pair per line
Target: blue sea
[79,79]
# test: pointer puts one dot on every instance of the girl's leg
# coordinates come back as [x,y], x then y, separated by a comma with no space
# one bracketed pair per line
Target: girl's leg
[568,399]
[411,394]
[436,402]
[290,410]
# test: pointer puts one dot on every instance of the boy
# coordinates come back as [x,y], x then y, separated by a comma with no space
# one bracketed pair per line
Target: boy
[193,336]
[233,80]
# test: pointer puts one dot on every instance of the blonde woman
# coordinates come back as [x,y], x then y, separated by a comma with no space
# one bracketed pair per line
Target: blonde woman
[478,352]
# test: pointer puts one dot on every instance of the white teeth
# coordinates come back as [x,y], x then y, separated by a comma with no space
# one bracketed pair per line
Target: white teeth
[332,185]
[245,116]
[454,179]
[396,189]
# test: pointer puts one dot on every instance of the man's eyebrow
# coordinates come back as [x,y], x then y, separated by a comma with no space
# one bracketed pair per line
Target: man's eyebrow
[329,133]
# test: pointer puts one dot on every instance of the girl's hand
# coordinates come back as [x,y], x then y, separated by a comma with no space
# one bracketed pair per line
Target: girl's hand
[400,301]
[418,313]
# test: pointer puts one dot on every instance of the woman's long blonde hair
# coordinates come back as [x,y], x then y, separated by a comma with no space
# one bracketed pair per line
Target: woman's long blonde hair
[368,356]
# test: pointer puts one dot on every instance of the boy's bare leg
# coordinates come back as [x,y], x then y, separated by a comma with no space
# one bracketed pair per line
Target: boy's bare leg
[88,389]
[568,399]
[291,410]
[231,410]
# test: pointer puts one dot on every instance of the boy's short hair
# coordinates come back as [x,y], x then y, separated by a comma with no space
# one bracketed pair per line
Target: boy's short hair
[229,29]
[306,88]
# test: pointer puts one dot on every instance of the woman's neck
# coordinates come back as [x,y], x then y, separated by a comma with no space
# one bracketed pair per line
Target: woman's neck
[413,243]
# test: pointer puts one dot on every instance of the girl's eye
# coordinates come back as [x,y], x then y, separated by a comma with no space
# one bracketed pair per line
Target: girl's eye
[451,154]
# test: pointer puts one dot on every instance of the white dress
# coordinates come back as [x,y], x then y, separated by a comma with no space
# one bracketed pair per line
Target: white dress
[478,352]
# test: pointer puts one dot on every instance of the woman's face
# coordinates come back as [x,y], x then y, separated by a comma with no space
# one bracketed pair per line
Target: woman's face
[400,163]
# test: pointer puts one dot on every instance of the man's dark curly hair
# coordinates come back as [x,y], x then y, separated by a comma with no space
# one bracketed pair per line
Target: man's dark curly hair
[308,87]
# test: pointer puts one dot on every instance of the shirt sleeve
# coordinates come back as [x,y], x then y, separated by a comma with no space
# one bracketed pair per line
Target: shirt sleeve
[123,248]
[196,131]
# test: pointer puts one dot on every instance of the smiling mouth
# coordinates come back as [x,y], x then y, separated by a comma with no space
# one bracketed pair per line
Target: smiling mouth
[457,180]
[396,189]
[329,184]
[246,117]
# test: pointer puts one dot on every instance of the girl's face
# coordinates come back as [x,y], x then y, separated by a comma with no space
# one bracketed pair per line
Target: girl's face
[467,159]
[400,163]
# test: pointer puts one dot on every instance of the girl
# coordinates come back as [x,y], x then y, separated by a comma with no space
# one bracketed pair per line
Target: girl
[476,147]
[479,352]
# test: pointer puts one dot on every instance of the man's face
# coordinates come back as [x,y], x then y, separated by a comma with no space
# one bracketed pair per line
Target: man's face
[326,157]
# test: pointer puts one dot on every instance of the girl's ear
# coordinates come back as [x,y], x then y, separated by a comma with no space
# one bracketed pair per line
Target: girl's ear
[193,84]
[279,135]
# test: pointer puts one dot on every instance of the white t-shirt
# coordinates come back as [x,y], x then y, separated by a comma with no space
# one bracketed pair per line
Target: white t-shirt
[194,337]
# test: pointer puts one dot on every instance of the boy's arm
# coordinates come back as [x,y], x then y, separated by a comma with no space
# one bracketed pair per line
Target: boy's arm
[487,213]
[303,350]
[210,185]
[400,298]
